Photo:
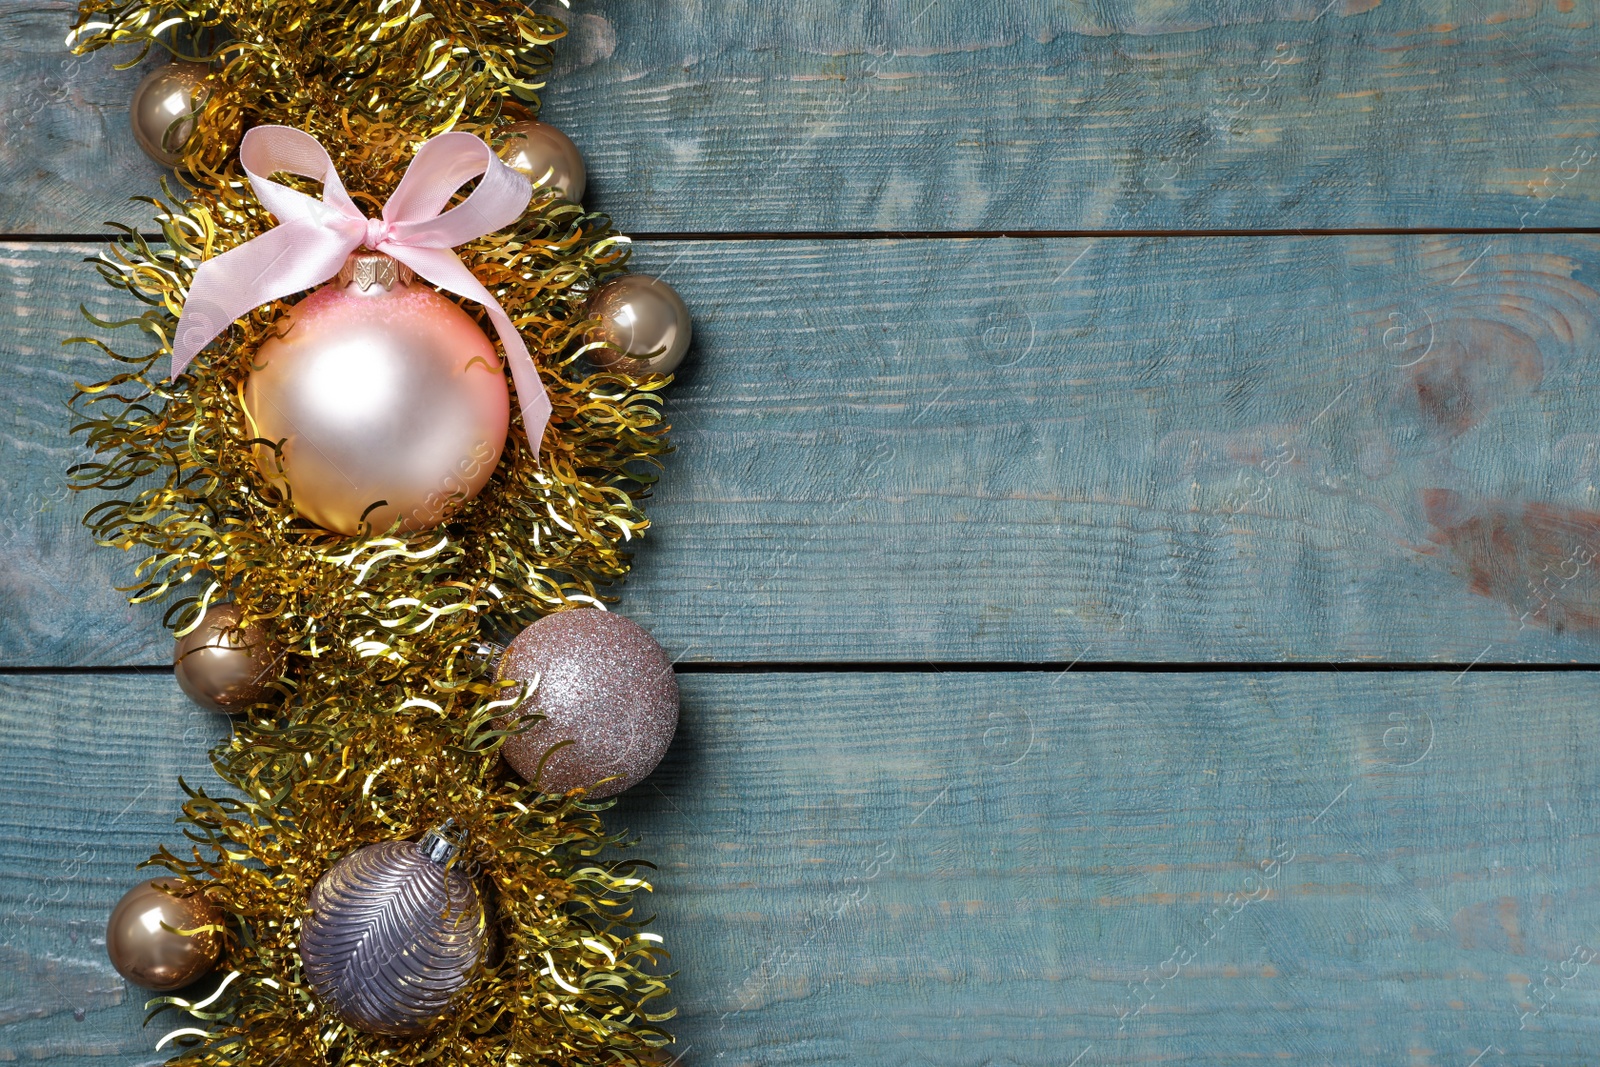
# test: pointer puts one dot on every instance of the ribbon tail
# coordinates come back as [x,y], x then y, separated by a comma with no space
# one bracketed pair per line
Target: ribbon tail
[531,394]
[444,268]
[284,260]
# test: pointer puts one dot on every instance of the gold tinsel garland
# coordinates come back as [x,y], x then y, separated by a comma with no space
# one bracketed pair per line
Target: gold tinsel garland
[381,725]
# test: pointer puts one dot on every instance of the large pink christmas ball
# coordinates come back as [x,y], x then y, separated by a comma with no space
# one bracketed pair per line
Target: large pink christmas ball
[387,401]
[602,683]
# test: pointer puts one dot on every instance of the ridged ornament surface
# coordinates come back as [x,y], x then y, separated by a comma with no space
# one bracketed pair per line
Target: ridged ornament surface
[392,938]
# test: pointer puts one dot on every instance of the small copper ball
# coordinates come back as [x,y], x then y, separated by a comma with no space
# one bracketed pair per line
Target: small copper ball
[146,952]
[222,666]
[643,322]
[547,157]
[601,682]
[165,109]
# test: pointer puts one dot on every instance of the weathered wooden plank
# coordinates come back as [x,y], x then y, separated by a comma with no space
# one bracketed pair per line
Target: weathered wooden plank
[92,763]
[1114,449]
[57,589]
[1011,868]
[737,115]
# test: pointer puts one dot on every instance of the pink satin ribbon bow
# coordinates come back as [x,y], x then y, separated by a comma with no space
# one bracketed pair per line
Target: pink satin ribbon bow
[313,237]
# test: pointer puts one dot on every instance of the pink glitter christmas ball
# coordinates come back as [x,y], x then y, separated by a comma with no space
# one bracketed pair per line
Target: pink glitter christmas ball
[601,682]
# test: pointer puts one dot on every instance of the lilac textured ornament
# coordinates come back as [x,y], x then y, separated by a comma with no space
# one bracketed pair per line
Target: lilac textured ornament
[601,682]
[394,935]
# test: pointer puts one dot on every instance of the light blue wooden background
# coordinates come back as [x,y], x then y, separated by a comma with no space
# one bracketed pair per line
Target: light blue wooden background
[1130,547]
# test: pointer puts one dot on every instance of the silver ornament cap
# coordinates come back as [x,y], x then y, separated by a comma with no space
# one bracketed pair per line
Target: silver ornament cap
[396,933]
[368,271]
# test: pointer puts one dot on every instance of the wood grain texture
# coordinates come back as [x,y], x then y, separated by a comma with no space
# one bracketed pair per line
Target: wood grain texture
[932,114]
[91,765]
[1039,450]
[982,868]
[68,161]
[57,589]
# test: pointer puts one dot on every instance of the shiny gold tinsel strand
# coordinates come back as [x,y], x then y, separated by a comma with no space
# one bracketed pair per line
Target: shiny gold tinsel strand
[381,725]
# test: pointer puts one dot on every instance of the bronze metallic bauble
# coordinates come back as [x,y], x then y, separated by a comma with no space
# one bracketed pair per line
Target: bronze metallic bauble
[146,952]
[388,399]
[222,666]
[644,321]
[394,936]
[601,682]
[546,157]
[165,106]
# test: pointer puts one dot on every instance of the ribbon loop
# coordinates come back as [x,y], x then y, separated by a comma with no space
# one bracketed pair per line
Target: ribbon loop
[314,236]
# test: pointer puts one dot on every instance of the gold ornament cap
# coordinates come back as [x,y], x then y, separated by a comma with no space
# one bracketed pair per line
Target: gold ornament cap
[366,269]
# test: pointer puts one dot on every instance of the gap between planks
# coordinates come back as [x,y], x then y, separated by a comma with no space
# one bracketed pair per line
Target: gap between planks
[966,235]
[1002,667]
